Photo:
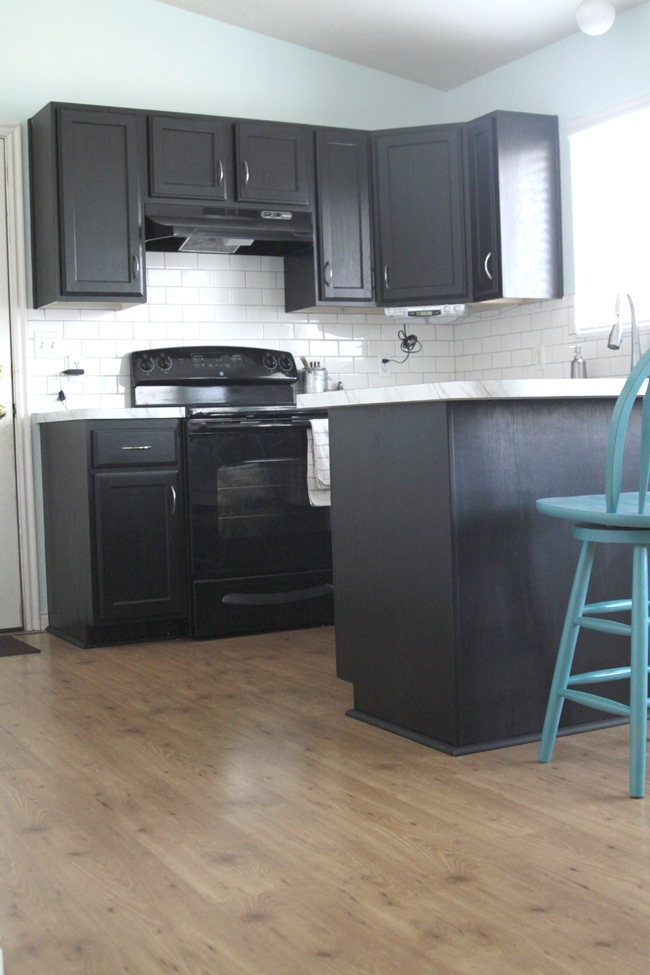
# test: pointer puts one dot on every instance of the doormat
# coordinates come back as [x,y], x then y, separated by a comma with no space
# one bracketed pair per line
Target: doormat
[11,647]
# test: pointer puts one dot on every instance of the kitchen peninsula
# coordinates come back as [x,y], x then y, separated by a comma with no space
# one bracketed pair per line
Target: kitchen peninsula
[450,588]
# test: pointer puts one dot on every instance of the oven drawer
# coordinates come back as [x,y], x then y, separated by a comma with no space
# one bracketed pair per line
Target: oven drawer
[259,604]
[139,447]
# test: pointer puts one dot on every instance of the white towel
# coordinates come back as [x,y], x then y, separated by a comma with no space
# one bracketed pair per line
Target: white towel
[318,463]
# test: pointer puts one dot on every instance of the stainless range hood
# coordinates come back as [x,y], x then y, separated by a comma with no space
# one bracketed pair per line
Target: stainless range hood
[226,228]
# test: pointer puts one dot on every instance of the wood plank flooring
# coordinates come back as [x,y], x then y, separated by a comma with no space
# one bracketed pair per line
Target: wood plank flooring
[207,809]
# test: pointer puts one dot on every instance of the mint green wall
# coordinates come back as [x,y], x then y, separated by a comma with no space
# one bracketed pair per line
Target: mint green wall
[577,76]
[144,54]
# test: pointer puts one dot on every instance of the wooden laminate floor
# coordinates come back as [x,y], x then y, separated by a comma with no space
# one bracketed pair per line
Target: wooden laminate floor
[208,809]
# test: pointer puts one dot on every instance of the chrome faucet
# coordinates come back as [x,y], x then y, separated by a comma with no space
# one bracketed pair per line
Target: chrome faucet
[616,334]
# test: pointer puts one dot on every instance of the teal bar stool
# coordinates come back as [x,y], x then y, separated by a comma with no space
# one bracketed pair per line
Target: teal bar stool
[619,519]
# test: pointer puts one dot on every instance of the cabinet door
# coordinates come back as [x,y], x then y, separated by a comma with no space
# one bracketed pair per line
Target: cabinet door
[190,158]
[101,208]
[140,556]
[344,216]
[484,209]
[272,163]
[421,215]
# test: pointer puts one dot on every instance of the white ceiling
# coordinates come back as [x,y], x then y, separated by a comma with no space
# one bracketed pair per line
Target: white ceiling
[442,43]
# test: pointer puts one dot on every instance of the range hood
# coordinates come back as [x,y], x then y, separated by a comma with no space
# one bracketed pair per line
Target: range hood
[226,228]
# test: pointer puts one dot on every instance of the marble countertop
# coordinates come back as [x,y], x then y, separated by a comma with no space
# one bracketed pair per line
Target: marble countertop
[467,389]
[139,413]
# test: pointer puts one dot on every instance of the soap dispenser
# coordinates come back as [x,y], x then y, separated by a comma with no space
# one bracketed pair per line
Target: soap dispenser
[578,364]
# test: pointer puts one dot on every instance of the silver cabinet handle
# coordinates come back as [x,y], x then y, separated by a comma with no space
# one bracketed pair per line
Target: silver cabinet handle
[386,275]
[148,447]
[220,172]
[247,174]
[135,266]
[486,265]
[173,490]
[328,273]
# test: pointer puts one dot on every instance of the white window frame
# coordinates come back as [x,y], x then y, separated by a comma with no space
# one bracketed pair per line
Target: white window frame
[581,124]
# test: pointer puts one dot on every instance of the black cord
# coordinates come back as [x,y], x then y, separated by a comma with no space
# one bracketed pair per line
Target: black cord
[408,344]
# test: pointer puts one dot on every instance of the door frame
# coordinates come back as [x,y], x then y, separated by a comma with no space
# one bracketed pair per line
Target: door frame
[13,178]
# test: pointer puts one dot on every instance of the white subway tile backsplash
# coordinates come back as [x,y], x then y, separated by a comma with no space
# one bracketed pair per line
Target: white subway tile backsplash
[82,330]
[180,260]
[161,278]
[217,262]
[231,299]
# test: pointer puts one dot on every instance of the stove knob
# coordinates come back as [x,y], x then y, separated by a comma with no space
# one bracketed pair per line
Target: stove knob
[164,362]
[286,363]
[270,361]
[146,363]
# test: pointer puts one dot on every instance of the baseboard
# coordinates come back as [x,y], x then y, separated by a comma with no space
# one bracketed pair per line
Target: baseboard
[483,746]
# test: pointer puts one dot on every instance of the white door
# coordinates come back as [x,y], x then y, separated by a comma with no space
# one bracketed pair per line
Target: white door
[11,616]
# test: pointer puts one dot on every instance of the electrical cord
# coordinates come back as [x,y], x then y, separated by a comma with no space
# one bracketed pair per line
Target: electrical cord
[408,343]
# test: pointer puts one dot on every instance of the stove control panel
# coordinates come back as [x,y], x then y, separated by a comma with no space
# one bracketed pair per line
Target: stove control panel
[212,365]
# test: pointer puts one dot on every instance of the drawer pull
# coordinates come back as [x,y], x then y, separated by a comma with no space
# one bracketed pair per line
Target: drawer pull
[137,448]
[173,490]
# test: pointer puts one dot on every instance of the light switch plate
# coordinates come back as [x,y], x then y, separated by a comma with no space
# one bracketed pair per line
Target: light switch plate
[47,345]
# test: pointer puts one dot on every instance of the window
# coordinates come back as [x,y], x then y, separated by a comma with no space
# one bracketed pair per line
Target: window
[610,172]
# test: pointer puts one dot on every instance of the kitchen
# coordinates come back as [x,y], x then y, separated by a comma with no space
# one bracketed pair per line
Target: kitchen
[591,78]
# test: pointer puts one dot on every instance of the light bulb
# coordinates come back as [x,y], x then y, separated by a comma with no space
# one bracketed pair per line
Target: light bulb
[595,16]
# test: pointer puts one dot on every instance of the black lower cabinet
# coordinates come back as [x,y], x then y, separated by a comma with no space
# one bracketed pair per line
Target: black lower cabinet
[139,555]
[114,531]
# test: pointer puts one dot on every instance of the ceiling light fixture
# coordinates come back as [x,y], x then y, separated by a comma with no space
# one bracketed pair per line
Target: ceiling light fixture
[595,16]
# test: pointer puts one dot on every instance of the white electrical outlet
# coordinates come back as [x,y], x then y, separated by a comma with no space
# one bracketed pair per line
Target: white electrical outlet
[73,362]
[540,357]
[383,367]
[46,345]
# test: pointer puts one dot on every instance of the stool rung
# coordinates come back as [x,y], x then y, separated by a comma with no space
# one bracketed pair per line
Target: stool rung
[611,606]
[596,701]
[597,676]
[605,626]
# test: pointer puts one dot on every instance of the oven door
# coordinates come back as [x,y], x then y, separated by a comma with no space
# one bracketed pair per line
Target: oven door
[258,548]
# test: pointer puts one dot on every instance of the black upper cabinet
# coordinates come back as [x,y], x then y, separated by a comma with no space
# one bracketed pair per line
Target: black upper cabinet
[515,206]
[190,158]
[86,206]
[420,210]
[344,239]
[272,162]
[484,195]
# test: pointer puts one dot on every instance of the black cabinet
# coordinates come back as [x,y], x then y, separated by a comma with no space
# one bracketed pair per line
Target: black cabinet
[138,544]
[344,239]
[114,530]
[272,162]
[190,158]
[514,184]
[87,220]
[420,212]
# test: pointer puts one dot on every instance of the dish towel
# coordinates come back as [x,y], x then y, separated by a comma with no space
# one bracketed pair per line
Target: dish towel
[318,463]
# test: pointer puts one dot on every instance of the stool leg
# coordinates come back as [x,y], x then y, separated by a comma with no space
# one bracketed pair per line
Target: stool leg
[639,672]
[566,650]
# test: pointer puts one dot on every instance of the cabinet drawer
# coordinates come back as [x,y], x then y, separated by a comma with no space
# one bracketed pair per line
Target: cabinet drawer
[130,448]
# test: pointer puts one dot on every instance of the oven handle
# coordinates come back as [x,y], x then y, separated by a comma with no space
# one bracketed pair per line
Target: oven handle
[271,598]
[230,425]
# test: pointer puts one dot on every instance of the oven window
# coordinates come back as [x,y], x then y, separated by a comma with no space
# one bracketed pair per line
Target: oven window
[249,507]
[262,497]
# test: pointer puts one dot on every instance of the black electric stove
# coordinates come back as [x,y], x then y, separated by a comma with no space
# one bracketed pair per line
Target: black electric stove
[259,553]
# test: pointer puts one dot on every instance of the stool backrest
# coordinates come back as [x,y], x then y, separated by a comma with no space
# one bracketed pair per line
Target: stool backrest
[617,431]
